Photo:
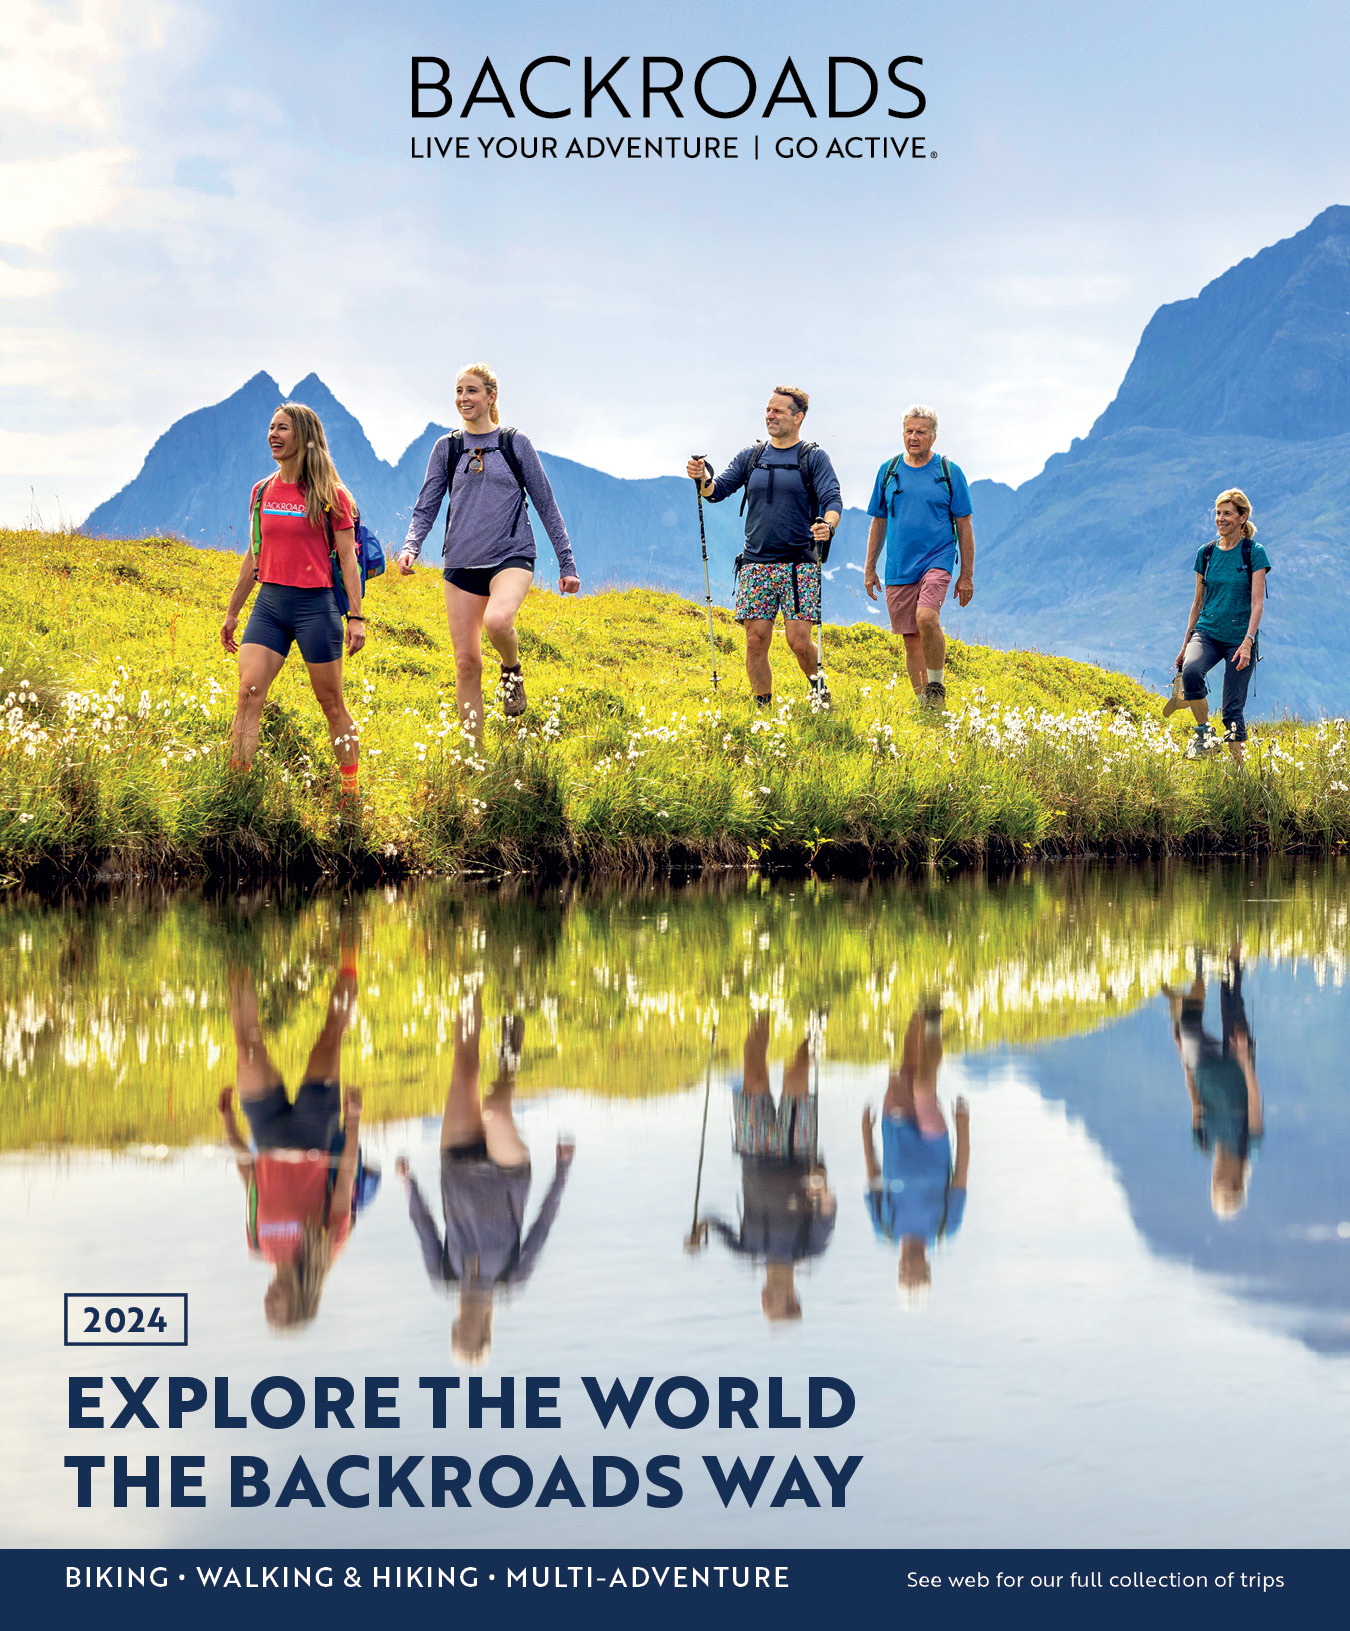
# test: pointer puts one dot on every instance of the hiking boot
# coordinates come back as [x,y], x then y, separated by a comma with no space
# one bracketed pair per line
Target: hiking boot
[1200,744]
[513,691]
[820,694]
[935,694]
[1175,697]
[511,1040]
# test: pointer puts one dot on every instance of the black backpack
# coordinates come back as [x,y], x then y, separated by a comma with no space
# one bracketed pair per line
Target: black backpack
[506,446]
[804,452]
[944,476]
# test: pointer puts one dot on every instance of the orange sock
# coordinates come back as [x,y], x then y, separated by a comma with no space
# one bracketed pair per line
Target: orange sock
[349,774]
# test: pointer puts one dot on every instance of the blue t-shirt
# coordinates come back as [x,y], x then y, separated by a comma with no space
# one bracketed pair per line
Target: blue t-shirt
[919,515]
[777,515]
[915,1194]
[1228,592]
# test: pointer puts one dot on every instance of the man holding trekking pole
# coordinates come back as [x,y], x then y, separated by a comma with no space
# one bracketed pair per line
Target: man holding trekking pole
[791,508]
[920,508]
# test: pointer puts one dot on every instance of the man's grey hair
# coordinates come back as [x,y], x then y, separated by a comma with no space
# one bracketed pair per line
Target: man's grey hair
[917,410]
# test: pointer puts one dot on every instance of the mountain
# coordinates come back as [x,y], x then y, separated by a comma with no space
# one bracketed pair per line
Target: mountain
[1246,385]
[1127,1088]
[197,477]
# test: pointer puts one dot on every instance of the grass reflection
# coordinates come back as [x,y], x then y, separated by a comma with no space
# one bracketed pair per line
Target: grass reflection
[116,1017]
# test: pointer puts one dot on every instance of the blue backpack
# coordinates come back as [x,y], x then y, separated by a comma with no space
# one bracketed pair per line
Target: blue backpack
[369,550]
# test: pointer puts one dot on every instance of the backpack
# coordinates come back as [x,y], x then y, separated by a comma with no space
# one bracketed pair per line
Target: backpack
[804,452]
[944,476]
[369,550]
[506,446]
[1207,555]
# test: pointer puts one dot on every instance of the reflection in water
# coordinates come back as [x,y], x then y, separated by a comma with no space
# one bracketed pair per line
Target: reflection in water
[1093,1272]
[120,1030]
[787,1209]
[303,1176]
[1221,1080]
[917,1195]
[485,1185]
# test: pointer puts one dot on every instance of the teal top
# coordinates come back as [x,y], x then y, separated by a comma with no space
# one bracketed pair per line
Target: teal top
[1228,592]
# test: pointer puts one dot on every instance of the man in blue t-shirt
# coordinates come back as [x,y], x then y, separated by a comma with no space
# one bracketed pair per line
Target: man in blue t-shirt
[916,1193]
[791,506]
[920,507]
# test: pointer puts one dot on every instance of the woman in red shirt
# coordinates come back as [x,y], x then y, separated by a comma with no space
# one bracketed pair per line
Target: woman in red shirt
[301,1167]
[298,506]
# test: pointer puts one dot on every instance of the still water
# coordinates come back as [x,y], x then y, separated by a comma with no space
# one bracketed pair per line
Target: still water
[1052,1173]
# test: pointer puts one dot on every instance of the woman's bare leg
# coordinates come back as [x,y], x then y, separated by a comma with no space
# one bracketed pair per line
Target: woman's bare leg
[462,1122]
[508,590]
[504,1143]
[258,668]
[255,1074]
[464,613]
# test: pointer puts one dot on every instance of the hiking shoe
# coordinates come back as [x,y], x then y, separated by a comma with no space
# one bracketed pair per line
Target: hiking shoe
[511,1040]
[513,691]
[820,694]
[1199,746]
[1175,697]
[935,694]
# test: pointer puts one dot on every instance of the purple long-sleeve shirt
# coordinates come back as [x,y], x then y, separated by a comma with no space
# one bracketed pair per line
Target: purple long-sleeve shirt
[488,520]
[485,1242]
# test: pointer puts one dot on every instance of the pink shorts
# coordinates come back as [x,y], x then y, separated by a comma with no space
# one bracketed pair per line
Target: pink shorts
[904,599]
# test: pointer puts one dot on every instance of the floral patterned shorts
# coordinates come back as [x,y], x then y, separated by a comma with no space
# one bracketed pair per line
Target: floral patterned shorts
[785,1131]
[763,589]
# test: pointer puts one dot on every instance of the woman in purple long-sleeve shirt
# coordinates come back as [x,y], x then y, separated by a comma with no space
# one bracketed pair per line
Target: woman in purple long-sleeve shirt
[489,555]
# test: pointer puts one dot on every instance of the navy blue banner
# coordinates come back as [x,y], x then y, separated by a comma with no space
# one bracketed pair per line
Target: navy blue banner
[354,1588]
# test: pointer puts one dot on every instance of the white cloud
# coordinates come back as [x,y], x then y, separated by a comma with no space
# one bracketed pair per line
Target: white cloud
[44,196]
[66,72]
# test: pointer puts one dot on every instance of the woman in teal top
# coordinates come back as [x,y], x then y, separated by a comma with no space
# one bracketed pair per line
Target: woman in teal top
[1230,594]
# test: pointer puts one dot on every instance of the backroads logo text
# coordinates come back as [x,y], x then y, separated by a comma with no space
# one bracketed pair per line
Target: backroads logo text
[658,87]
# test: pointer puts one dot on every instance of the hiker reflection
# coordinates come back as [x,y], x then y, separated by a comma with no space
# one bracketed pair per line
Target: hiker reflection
[485,1184]
[917,1195]
[1221,1080]
[787,1209]
[303,1174]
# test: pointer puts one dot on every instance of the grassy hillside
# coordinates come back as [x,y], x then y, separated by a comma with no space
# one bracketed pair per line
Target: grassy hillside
[117,698]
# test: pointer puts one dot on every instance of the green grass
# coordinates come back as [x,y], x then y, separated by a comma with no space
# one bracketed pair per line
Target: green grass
[115,700]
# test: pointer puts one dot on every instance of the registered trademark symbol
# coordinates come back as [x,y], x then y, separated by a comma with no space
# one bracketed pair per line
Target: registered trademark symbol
[932,155]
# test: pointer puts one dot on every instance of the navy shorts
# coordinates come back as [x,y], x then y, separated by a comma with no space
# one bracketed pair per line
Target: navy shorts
[477,580]
[308,617]
[313,1122]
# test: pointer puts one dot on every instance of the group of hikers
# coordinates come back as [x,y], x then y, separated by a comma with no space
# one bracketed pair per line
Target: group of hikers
[305,1178]
[304,556]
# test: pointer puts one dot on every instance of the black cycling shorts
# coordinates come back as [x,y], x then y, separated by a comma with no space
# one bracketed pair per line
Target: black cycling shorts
[477,580]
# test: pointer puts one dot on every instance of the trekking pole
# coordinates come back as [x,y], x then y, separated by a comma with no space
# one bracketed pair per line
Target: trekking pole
[707,581]
[820,626]
[698,1232]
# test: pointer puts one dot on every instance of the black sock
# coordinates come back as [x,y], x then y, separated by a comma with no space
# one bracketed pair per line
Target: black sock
[765,701]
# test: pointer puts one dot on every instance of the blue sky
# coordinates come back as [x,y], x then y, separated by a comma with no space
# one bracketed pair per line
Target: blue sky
[195,191]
